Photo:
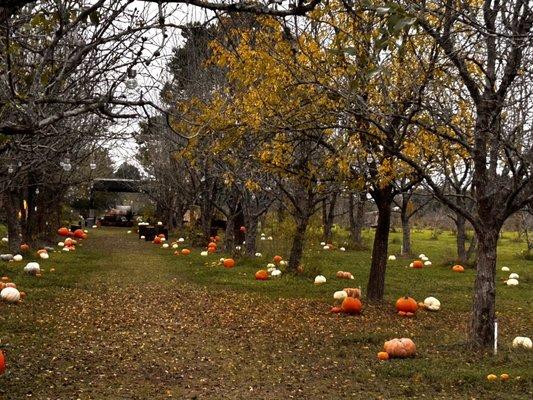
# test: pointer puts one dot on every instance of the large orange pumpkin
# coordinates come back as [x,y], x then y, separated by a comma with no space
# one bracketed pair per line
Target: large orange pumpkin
[185,252]
[406,304]
[400,348]
[351,305]
[212,244]
[229,262]
[458,268]
[2,363]
[24,247]
[261,275]
[211,249]
[418,264]
[277,259]
[78,233]
[63,231]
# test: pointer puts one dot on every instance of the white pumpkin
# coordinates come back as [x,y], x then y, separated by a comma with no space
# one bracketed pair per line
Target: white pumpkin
[270,265]
[165,245]
[432,303]
[6,257]
[181,240]
[342,249]
[222,260]
[262,235]
[44,255]
[270,238]
[421,255]
[411,265]
[159,223]
[128,232]
[10,295]
[424,258]
[66,249]
[427,263]
[271,269]
[522,341]
[163,239]
[512,282]
[17,257]
[263,238]
[95,226]
[32,268]
[392,257]
[340,295]
[204,253]
[175,246]
[60,244]
[5,240]
[276,273]
[238,248]
[514,276]
[320,279]
[85,231]
[258,255]
[143,237]
[322,243]
[505,269]
[283,263]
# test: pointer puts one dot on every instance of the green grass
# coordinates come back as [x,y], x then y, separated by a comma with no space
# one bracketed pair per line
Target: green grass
[216,332]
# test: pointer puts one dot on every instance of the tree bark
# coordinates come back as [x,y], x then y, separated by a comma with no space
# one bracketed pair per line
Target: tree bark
[328,217]
[483,312]
[251,235]
[356,217]
[376,280]
[460,223]
[229,237]
[13,222]
[298,243]
[406,233]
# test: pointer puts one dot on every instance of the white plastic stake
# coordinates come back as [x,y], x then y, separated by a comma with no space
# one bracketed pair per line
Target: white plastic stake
[495,337]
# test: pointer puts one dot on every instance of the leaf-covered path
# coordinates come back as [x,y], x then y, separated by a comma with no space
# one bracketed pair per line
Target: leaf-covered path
[130,328]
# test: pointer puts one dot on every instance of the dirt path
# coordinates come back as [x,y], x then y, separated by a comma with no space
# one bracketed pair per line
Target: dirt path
[129,332]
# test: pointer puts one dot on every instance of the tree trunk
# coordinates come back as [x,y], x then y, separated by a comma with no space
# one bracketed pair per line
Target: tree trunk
[406,233]
[483,312]
[229,237]
[13,221]
[239,221]
[298,242]
[251,235]
[376,280]
[356,217]
[328,217]
[460,223]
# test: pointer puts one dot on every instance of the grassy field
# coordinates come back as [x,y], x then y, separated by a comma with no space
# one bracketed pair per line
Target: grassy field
[125,319]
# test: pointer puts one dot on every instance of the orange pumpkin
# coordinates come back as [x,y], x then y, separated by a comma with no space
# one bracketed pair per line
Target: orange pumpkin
[157,240]
[24,247]
[242,229]
[2,285]
[2,363]
[383,355]
[78,233]
[229,262]
[261,275]
[217,238]
[335,310]
[418,264]
[11,284]
[351,305]
[406,314]
[5,279]
[353,292]
[185,252]
[212,244]
[400,348]
[277,259]
[22,295]
[63,231]
[406,304]
[211,249]
[458,268]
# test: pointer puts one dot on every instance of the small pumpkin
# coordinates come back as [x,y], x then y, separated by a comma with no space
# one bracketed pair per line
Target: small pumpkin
[261,275]
[157,240]
[335,310]
[417,264]
[211,249]
[400,348]
[2,363]
[351,305]
[406,304]
[320,279]
[458,268]
[522,341]
[217,238]
[432,304]
[353,292]
[185,252]
[10,295]
[277,259]
[212,244]
[504,377]
[78,233]
[491,377]
[383,355]
[63,231]
[229,263]
[340,295]
[24,247]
